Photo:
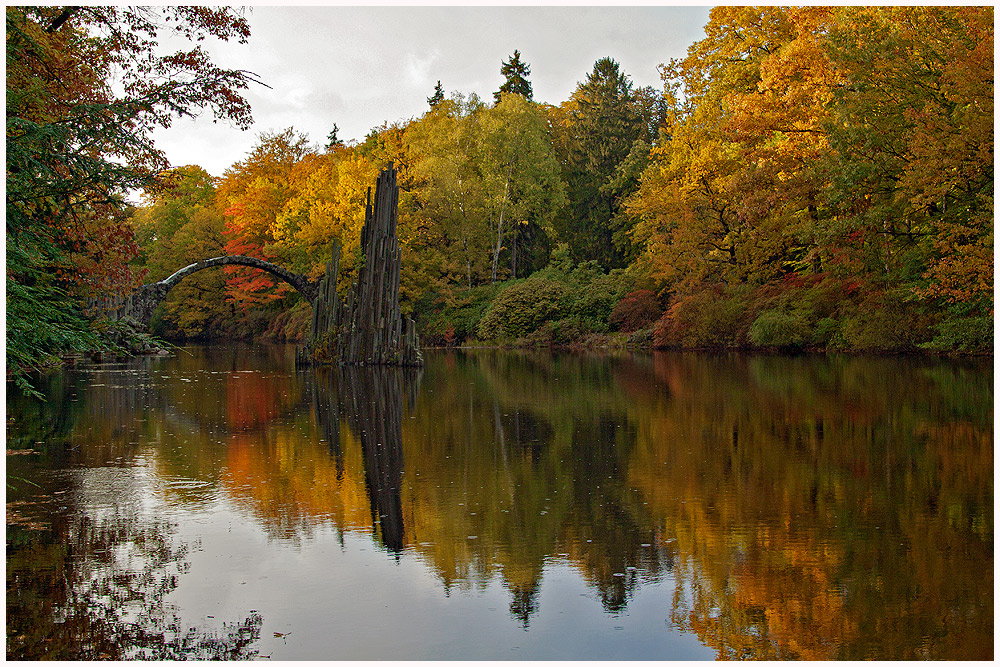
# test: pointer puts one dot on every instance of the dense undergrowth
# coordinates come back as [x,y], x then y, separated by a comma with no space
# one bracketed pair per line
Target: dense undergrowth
[581,306]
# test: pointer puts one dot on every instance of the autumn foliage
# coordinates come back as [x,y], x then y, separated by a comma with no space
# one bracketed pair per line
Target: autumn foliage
[635,311]
[85,87]
[807,178]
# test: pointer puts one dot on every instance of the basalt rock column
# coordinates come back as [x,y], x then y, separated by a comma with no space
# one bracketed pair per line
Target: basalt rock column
[366,327]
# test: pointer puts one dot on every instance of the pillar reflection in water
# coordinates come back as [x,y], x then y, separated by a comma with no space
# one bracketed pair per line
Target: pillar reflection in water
[369,400]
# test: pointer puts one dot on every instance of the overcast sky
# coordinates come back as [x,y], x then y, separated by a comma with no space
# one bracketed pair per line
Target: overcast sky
[360,66]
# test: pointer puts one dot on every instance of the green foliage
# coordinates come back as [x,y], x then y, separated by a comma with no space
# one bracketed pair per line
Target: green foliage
[84,91]
[882,322]
[522,307]
[42,323]
[180,225]
[966,335]
[601,126]
[515,73]
[594,300]
[437,97]
[779,328]
[458,320]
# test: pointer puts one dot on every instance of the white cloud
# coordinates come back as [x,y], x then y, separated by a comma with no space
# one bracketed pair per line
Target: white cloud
[418,68]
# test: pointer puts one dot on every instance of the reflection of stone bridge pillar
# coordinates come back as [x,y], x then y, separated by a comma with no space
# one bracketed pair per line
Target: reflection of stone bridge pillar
[370,401]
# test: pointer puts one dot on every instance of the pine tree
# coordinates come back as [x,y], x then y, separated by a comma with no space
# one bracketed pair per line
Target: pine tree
[332,140]
[515,72]
[603,126]
[437,97]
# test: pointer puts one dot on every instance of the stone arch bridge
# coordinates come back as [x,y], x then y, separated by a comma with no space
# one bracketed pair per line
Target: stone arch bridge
[139,305]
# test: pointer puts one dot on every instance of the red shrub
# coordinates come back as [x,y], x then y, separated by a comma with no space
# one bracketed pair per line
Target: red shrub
[637,310]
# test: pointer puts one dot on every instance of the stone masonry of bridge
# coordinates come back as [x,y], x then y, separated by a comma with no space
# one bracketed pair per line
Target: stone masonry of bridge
[139,305]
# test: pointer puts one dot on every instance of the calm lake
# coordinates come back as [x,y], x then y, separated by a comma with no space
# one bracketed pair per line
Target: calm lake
[503,505]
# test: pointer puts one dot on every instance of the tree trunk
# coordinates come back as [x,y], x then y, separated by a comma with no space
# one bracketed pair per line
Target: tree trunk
[499,246]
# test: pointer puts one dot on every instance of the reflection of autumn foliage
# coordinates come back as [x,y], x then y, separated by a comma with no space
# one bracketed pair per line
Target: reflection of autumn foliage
[804,531]
[289,485]
[251,400]
[94,589]
[808,507]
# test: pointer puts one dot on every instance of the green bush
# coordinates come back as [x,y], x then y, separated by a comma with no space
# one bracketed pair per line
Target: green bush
[565,331]
[593,296]
[522,307]
[456,322]
[826,330]
[964,335]
[641,339]
[881,322]
[779,328]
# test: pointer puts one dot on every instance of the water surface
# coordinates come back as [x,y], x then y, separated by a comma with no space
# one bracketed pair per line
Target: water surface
[503,505]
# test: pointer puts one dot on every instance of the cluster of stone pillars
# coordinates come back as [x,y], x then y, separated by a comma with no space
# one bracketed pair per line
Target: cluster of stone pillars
[366,327]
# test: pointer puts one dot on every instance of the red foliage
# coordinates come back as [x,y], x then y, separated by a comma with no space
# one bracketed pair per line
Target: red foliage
[635,311]
[247,286]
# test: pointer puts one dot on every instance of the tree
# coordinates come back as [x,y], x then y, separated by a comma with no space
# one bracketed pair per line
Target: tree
[601,124]
[85,87]
[437,97]
[733,192]
[519,170]
[179,225]
[252,195]
[515,73]
[913,168]
[453,237]
[329,205]
[332,140]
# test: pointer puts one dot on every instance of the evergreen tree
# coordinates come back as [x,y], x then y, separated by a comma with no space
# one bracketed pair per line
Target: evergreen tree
[515,71]
[332,140]
[602,124]
[437,97]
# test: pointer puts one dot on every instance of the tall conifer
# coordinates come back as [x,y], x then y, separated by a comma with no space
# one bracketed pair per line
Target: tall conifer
[516,72]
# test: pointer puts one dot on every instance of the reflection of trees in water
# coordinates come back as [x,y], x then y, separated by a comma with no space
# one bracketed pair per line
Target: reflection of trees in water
[524,603]
[527,452]
[814,507]
[807,499]
[93,587]
[824,508]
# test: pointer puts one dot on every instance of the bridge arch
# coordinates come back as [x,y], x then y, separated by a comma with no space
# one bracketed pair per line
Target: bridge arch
[144,300]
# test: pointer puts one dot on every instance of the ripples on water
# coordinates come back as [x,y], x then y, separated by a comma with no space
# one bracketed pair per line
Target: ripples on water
[503,505]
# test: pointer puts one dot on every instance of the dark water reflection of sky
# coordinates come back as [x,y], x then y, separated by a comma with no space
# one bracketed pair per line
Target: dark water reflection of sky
[503,505]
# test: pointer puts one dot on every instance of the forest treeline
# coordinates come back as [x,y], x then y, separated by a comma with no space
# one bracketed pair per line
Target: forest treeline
[805,178]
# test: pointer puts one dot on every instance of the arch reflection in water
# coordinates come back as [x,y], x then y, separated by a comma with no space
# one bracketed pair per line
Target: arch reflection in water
[369,400]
